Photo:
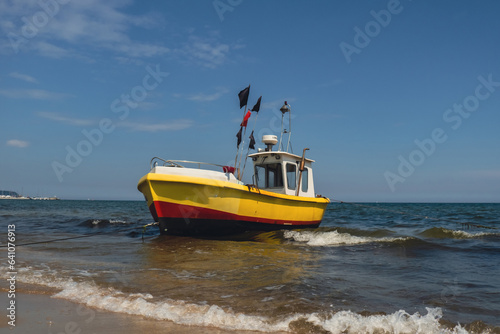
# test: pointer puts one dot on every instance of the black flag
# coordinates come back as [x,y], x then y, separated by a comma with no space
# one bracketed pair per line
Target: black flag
[256,107]
[238,135]
[243,95]
[252,141]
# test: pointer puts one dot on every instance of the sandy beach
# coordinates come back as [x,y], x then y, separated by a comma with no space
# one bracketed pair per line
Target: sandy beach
[41,313]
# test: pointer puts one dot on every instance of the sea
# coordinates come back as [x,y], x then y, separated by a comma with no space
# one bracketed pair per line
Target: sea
[369,268]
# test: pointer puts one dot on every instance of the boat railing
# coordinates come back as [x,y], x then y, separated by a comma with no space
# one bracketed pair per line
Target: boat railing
[156,161]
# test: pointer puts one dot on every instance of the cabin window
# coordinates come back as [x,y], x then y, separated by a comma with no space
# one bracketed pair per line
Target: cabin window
[291,176]
[260,175]
[269,176]
[305,180]
[274,176]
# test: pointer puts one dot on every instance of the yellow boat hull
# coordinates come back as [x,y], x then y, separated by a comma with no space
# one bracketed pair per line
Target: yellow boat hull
[196,205]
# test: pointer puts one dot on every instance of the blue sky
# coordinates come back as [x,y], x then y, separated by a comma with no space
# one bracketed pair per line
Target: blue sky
[397,100]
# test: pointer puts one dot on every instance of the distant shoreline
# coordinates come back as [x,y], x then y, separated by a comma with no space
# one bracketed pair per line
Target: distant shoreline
[30,198]
[8,194]
[142,200]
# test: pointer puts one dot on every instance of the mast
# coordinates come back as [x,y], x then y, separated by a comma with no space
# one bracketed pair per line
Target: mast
[243,97]
[286,109]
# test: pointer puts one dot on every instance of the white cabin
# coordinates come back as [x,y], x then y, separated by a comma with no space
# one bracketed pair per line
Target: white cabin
[278,171]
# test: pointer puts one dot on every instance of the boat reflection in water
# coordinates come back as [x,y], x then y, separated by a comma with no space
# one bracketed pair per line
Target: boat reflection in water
[235,275]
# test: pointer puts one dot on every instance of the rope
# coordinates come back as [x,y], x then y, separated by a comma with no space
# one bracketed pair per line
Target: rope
[144,229]
[414,215]
[83,236]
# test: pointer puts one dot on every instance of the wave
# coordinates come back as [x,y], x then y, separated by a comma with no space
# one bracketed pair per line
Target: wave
[399,322]
[444,233]
[179,312]
[334,238]
[346,237]
[101,222]
[185,313]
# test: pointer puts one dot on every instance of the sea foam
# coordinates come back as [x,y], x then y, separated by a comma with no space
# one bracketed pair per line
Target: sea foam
[444,233]
[332,238]
[399,322]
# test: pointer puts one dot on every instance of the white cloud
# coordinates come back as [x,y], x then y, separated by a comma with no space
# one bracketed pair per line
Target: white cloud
[36,94]
[139,50]
[492,174]
[23,77]
[80,28]
[175,125]
[51,51]
[17,143]
[63,119]
[201,97]
[206,52]
[145,105]
[129,60]
[81,25]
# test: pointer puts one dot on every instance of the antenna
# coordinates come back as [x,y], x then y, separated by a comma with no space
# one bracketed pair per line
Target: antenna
[286,109]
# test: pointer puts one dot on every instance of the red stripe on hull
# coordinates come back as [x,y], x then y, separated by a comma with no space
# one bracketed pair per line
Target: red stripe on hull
[171,210]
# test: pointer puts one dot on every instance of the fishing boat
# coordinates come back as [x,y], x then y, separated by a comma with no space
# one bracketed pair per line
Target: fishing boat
[198,198]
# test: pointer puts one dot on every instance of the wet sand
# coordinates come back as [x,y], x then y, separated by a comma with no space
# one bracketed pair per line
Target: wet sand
[40,313]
